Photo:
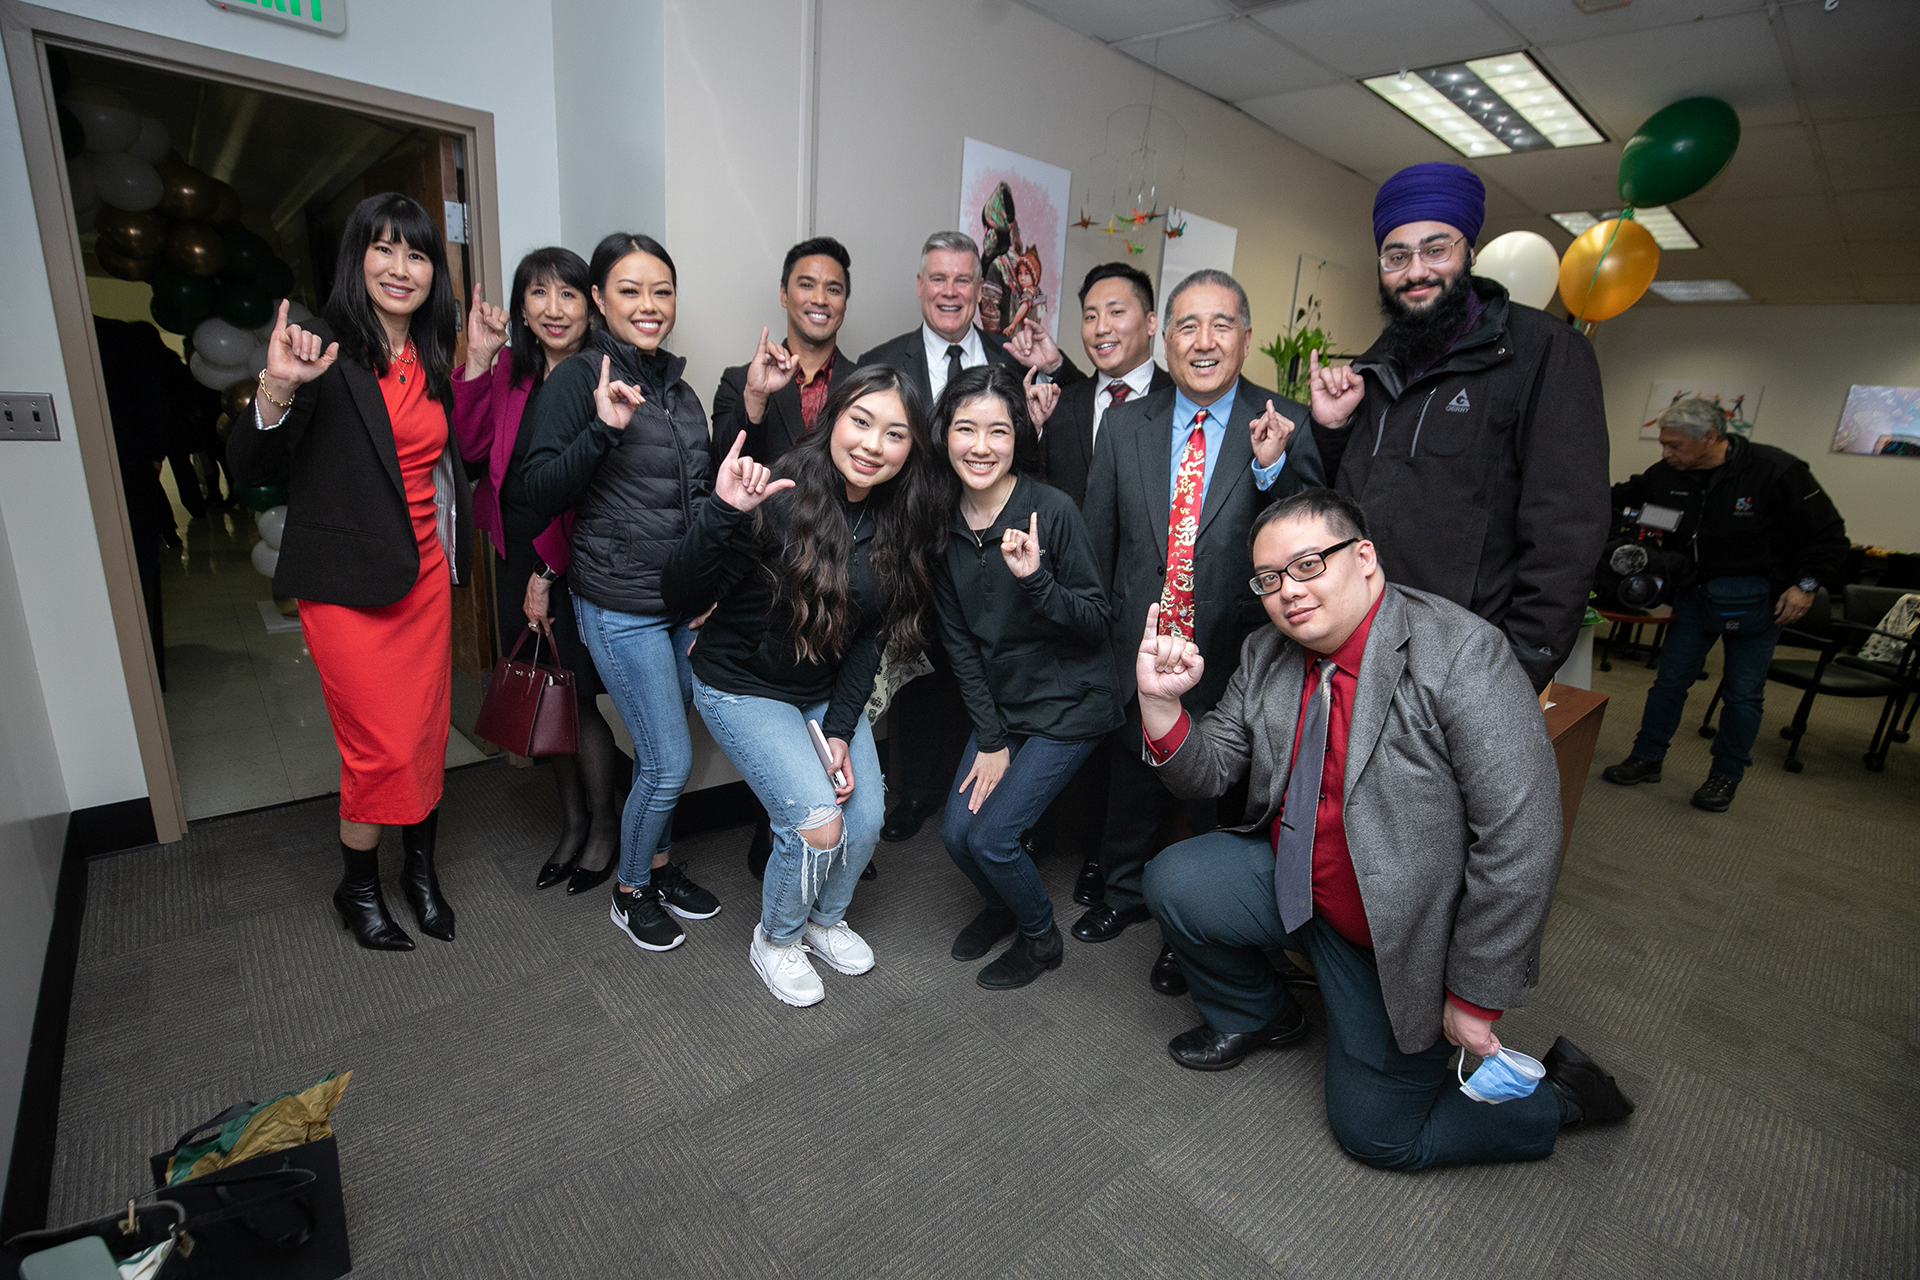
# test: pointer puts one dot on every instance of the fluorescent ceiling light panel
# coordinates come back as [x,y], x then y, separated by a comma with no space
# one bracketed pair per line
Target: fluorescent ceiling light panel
[1489,106]
[1700,291]
[1661,222]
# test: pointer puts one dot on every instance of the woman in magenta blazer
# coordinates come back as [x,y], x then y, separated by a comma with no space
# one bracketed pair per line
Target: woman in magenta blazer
[492,408]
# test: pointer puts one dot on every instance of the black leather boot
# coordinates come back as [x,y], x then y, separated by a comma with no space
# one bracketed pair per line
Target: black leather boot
[360,905]
[420,884]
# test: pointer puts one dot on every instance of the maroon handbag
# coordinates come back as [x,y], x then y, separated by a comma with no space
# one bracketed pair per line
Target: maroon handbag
[530,709]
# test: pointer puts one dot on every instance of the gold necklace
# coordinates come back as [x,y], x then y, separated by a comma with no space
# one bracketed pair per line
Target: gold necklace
[404,356]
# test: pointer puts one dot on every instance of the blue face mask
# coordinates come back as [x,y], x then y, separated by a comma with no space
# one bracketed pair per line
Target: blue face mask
[1503,1077]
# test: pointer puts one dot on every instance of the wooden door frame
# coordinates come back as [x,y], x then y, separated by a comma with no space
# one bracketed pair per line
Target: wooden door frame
[27,30]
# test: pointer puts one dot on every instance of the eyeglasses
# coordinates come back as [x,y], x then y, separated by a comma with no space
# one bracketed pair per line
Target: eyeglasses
[1301,569]
[1394,261]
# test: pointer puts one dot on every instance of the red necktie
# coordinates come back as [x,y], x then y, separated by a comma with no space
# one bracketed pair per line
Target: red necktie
[1117,393]
[1183,524]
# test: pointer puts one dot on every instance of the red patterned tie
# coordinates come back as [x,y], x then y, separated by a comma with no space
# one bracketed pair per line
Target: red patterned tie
[1183,523]
[1117,393]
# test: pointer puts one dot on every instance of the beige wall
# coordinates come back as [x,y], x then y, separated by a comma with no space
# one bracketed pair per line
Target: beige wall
[1806,358]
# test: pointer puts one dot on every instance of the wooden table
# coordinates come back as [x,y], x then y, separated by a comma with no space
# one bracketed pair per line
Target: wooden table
[1573,723]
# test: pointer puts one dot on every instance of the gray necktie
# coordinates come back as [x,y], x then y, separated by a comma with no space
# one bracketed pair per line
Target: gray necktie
[954,352]
[1293,851]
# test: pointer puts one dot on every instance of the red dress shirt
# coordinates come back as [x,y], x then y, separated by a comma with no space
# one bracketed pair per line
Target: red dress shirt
[813,391]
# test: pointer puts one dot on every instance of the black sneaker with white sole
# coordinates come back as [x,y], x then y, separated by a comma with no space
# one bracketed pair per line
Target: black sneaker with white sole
[638,915]
[682,896]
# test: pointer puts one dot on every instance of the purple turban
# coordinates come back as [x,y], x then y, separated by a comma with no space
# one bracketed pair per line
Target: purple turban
[1433,192]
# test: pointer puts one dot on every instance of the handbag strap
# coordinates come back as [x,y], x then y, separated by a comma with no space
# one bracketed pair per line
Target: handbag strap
[233,1112]
[123,1225]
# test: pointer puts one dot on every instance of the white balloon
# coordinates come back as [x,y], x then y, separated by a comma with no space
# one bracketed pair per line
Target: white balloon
[124,181]
[219,343]
[257,361]
[108,127]
[217,376]
[80,179]
[297,313]
[1525,262]
[265,558]
[153,141]
[83,218]
[272,523]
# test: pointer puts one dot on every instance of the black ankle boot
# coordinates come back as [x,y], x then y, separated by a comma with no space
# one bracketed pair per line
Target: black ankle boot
[1024,961]
[420,884]
[361,907]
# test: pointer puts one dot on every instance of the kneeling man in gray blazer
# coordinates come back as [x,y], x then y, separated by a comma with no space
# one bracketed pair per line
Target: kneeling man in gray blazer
[1403,832]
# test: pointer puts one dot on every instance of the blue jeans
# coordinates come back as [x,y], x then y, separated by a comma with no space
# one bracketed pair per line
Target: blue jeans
[1743,687]
[642,659]
[986,845]
[768,743]
[1213,896]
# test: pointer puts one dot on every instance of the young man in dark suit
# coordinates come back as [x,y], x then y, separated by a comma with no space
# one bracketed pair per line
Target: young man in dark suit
[1177,479]
[776,397]
[1117,324]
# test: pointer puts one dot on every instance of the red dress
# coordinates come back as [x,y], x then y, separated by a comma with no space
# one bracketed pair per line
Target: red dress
[387,673]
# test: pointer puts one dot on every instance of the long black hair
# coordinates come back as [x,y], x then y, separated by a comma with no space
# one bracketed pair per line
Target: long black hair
[996,381]
[609,251]
[809,554]
[350,310]
[551,266]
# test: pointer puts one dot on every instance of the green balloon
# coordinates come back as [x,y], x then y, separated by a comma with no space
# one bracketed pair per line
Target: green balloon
[243,304]
[180,296]
[247,251]
[276,277]
[1679,150]
[262,497]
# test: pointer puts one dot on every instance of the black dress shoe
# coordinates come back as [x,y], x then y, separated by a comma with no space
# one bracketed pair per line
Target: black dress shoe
[1024,961]
[982,932]
[1204,1049]
[582,879]
[904,822]
[1105,922]
[420,883]
[1580,1080]
[1090,885]
[1632,770]
[869,872]
[1715,794]
[1167,977]
[363,911]
[552,873]
[760,849]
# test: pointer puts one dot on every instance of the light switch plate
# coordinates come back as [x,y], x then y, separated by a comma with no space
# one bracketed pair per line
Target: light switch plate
[27,415]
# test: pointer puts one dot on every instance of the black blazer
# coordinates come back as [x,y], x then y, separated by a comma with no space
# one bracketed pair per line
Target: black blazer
[780,427]
[1066,446]
[908,353]
[348,539]
[1127,509]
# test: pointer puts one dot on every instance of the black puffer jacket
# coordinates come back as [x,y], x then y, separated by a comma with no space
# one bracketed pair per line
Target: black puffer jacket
[634,492]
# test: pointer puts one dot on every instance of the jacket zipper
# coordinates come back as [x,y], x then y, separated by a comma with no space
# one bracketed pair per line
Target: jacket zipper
[1415,446]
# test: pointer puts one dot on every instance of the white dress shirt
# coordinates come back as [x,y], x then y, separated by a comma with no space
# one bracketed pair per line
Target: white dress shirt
[973,354]
[1139,380]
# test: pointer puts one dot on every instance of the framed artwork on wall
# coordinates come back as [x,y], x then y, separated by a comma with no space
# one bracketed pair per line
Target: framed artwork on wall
[1740,401]
[1015,207]
[1880,420]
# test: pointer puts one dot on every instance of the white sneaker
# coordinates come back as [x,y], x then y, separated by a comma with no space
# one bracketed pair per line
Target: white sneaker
[839,946]
[786,970]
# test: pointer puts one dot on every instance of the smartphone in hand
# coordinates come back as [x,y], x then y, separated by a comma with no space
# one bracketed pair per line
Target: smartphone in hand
[821,749]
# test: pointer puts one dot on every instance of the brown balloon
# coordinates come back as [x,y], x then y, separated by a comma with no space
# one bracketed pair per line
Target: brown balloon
[134,235]
[122,265]
[227,209]
[189,194]
[170,163]
[239,398]
[196,248]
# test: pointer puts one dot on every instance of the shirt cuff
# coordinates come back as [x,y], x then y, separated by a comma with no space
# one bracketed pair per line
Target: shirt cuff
[260,421]
[1265,476]
[1467,1006]
[1159,749]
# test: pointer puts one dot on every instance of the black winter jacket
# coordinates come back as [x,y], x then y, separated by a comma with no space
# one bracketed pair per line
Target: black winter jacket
[1485,479]
[1761,514]
[633,492]
[746,646]
[1030,653]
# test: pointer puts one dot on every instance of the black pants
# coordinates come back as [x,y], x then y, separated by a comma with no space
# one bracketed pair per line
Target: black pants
[927,750]
[1137,804]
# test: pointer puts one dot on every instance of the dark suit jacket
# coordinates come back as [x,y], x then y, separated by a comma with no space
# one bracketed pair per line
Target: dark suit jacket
[908,353]
[348,538]
[780,427]
[1127,509]
[1066,447]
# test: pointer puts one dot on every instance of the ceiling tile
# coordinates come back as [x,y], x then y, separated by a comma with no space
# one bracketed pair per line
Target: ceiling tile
[1874,257]
[1793,225]
[1878,215]
[1350,126]
[1392,34]
[1873,154]
[1891,288]
[1112,20]
[1856,60]
[1773,160]
[1232,61]
[1560,21]
[1624,79]
[1556,181]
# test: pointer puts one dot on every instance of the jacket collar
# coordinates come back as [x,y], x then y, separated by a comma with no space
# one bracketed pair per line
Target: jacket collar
[364,387]
[626,359]
[1483,346]
[1383,660]
[1019,501]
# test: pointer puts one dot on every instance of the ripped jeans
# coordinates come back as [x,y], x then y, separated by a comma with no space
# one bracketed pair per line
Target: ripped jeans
[767,741]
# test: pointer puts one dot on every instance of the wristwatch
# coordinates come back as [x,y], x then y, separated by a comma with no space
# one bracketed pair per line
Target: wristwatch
[1808,585]
[544,571]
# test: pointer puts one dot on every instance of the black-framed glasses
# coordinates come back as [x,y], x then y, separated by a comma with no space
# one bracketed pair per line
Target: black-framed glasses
[1301,569]
[1434,254]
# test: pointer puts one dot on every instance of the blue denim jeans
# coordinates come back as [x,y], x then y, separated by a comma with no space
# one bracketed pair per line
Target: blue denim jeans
[986,845]
[642,659]
[1744,663]
[768,743]
[1213,896]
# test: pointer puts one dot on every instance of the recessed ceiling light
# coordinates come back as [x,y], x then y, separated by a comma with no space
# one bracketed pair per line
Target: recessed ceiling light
[1700,291]
[1489,106]
[1663,223]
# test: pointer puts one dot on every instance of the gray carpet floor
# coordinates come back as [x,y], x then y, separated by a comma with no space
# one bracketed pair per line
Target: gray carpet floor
[542,1099]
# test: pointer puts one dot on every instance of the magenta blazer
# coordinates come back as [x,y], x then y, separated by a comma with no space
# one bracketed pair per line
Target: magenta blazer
[486,417]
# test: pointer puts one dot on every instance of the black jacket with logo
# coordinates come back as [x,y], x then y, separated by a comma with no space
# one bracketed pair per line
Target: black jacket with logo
[1760,514]
[1484,480]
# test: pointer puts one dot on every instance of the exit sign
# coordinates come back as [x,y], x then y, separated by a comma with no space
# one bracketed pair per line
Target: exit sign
[329,16]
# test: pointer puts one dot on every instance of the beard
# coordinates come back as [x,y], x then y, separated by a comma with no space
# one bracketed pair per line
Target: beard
[1415,338]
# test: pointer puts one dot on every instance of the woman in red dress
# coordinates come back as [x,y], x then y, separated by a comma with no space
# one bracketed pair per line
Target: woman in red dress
[354,411]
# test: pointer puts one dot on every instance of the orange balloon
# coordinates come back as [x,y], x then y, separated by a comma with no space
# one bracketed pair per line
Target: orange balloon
[1624,273]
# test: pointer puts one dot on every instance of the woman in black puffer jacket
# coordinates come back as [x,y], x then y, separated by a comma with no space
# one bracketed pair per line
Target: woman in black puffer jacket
[620,439]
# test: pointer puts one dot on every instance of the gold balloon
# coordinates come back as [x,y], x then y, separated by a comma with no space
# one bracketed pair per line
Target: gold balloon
[239,398]
[134,235]
[122,265]
[189,194]
[1624,272]
[196,248]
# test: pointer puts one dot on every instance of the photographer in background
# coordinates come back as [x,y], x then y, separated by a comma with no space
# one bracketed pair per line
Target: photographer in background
[1763,536]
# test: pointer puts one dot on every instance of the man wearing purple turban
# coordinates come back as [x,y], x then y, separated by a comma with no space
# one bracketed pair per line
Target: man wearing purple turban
[1472,432]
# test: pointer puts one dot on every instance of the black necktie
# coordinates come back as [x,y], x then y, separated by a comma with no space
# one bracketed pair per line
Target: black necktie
[1293,851]
[954,352]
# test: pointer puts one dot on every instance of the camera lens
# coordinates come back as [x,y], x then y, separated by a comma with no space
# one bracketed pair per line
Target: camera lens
[1641,591]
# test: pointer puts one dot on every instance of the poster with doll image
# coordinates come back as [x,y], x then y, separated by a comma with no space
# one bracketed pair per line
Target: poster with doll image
[1015,208]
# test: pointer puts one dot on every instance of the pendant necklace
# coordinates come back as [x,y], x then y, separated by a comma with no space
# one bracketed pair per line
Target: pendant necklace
[404,356]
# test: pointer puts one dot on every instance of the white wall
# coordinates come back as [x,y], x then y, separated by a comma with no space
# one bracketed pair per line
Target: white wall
[1806,358]
[610,112]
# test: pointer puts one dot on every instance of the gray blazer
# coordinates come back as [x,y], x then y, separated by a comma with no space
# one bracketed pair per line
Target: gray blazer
[1451,800]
